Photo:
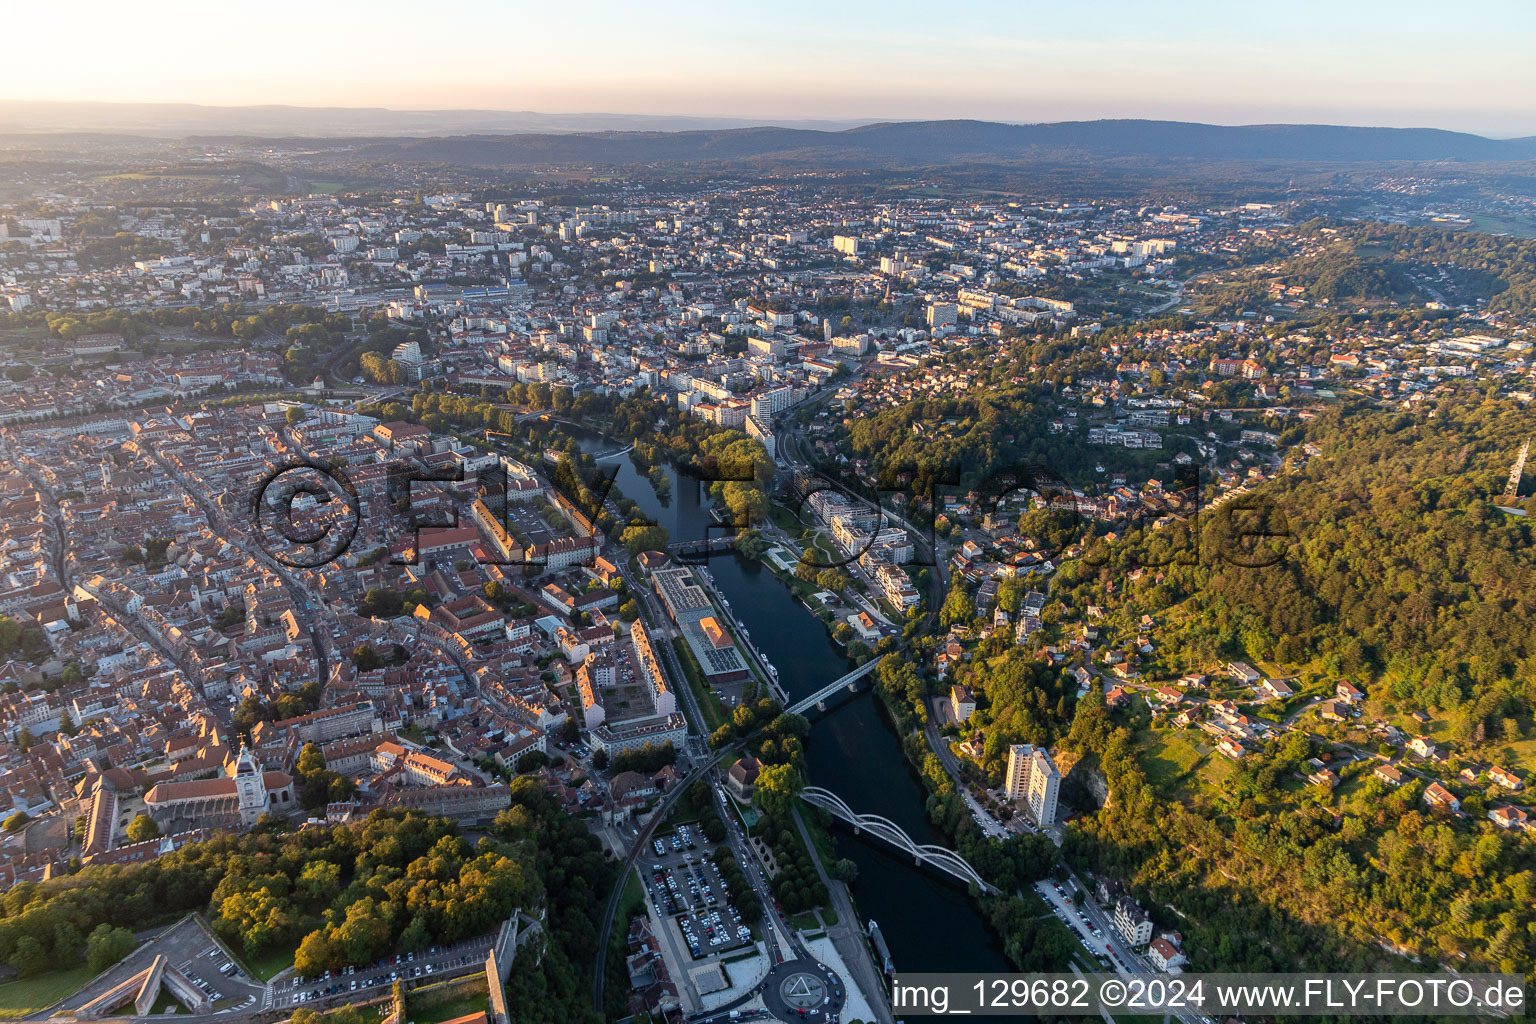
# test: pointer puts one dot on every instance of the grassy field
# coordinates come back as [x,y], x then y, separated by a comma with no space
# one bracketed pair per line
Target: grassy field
[451,1009]
[709,704]
[805,922]
[633,899]
[1217,771]
[270,964]
[22,998]
[1169,757]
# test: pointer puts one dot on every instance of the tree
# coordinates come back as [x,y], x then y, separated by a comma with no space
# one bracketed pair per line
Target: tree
[66,724]
[16,820]
[106,946]
[310,761]
[644,537]
[294,415]
[751,544]
[958,606]
[834,580]
[319,880]
[532,762]
[777,786]
[31,957]
[844,870]
[315,955]
[366,659]
[747,503]
[141,829]
[416,936]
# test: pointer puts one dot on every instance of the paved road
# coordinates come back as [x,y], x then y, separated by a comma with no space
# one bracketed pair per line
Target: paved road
[846,934]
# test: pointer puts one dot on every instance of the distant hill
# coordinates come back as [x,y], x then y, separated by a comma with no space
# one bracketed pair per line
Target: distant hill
[527,138]
[920,143]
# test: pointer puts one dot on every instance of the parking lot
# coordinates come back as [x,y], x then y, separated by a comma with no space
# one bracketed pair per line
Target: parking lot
[529,521]
[291,990]
[191,949]
[686,887]
[1099,943]
[220,979]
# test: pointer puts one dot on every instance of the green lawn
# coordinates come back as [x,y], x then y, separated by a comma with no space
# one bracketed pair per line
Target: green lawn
[452,1009]
[709,704]
[22,998]
[270,964]
[785,520]
[165,1003]
[632,901]
[1217,771]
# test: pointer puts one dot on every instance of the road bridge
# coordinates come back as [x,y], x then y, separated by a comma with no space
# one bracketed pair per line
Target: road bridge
[804,704]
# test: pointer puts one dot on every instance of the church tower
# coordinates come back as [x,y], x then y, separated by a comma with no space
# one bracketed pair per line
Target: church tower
[250,787]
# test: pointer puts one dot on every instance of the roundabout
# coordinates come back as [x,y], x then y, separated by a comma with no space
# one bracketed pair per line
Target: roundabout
[803,989]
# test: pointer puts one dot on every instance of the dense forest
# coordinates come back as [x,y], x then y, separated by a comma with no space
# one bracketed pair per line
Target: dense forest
[1391,563]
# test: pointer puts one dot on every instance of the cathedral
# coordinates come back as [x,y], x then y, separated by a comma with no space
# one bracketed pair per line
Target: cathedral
[235,801]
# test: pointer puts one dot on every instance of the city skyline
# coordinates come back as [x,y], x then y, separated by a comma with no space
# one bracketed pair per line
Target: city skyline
[1195,62]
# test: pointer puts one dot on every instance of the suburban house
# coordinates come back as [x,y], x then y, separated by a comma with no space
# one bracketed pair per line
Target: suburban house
[742,777]
[1510,817]
[1438,796]
[1421,746]
[1504,777]
[1346,691]
[1243,672]
[1389,774]
[1275,688]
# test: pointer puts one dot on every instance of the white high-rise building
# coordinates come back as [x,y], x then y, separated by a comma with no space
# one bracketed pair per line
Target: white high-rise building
[1044,784]
[1032,778]
[1016,786]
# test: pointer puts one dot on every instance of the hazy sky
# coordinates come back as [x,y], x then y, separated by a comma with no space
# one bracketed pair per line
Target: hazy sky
[1465,65]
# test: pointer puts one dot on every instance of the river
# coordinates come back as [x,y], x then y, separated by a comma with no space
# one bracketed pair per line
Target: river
[928,921]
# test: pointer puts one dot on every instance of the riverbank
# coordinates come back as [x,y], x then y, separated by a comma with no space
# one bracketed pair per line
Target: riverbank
[852,751]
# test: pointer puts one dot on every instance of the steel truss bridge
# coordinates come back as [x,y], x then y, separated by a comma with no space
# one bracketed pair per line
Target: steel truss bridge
[945,860]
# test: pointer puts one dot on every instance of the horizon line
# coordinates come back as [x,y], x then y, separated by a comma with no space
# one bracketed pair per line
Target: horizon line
[747,121]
